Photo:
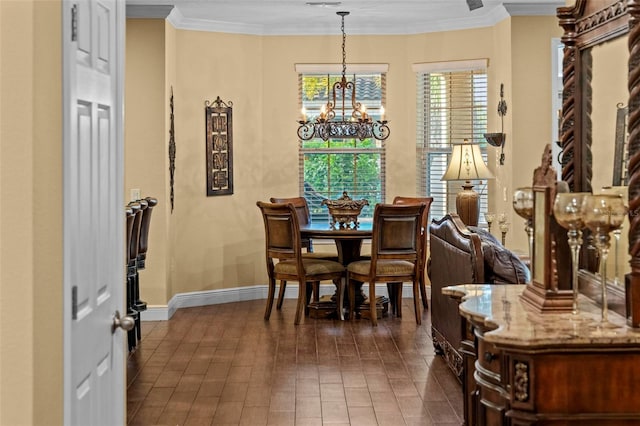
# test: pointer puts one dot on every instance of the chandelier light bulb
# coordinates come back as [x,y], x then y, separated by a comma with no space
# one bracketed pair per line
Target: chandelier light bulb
[363,112]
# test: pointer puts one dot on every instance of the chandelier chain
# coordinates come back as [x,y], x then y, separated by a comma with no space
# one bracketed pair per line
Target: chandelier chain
[326,126]
[344,50]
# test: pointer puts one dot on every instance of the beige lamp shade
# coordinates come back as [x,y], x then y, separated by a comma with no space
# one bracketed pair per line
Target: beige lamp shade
[467,164]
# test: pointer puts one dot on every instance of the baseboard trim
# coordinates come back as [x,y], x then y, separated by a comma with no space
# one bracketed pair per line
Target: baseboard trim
[239,294]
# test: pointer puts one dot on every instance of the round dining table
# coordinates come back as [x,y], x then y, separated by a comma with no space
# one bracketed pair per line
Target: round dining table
[348,242]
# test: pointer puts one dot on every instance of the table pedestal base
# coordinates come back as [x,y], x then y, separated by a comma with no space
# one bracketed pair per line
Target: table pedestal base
[382,308]
[327,308]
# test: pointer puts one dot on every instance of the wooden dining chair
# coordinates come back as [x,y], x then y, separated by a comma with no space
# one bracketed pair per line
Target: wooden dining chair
[304,215]
[304,218]
[396,253]
[286,263]
[395,289]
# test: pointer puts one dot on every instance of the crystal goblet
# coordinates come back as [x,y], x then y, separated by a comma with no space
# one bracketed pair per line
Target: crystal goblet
[603,213]
[504,228]
[523,206]
[617,233]
[567,209]
[490,218]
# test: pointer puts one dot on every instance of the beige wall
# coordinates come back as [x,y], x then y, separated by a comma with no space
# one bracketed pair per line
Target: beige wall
[530,108]
[217,242]
[609,88]
[215,245]
[500,72]
[31,355]
[146,142]
[170,66]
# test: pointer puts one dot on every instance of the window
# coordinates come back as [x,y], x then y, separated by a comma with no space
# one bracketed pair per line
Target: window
[328,168]
[451,107]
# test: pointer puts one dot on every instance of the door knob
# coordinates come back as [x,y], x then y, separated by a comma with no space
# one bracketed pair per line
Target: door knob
[126,322]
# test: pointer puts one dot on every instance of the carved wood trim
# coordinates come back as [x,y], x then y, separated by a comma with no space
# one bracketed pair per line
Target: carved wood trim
[633,8]
[521,381]
[601,17]
[449,353]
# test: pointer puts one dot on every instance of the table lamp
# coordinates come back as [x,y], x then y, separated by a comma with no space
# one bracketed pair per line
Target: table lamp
[467,164]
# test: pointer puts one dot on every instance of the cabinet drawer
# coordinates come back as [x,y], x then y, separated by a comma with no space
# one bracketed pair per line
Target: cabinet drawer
[488,356]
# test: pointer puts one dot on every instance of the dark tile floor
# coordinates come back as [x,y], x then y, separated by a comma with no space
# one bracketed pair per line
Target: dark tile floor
[223,364]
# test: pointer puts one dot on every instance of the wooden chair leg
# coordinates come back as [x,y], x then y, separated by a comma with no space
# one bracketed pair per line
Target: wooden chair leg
[423,292]
[283,287]
[340,302]
[392,298]
[270,295]
[395,298]
[352,299]
[310,290]
[398,291]
[416,302]
[373,312]
[302,297]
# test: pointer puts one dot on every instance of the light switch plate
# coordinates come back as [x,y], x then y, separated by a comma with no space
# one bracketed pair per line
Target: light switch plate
[135,194]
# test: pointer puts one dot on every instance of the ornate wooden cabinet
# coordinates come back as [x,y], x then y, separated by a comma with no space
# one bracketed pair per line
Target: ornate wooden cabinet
[526,368]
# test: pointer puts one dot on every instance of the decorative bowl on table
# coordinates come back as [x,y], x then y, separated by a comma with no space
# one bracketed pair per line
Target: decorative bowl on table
[345,211]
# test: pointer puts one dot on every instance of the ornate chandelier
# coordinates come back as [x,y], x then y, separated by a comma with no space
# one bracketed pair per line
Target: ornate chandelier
[326,126]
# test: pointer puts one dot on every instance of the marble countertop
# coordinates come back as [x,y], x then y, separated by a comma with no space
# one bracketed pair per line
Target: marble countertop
[514,323]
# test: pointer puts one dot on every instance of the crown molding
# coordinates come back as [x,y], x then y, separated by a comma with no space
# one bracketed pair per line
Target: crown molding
[480,18]
[154,11]
[533,9]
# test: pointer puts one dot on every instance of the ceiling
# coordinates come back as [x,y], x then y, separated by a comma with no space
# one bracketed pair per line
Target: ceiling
[298,17]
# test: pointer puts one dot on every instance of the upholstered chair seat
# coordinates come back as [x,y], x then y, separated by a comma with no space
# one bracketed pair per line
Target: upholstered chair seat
[383,267]
[311,267]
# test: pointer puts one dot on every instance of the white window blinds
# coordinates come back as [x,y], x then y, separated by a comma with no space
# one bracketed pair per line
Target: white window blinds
[451,107]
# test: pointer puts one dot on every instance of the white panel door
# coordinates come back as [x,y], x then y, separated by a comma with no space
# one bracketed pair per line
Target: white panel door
[93,31]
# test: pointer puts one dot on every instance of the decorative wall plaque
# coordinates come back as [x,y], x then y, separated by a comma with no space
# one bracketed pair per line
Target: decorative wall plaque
[172,149]
[219,138]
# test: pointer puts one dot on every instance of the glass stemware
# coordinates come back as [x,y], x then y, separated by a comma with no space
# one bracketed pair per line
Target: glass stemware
[617,233]
[602,214]
[504,228]
[567,209]
[490,218]
[616,270]
[523,206]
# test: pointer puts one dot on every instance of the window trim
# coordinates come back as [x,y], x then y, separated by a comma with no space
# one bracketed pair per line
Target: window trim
[423,132]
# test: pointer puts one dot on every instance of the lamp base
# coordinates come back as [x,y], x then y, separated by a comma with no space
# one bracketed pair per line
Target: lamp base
[468,205]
